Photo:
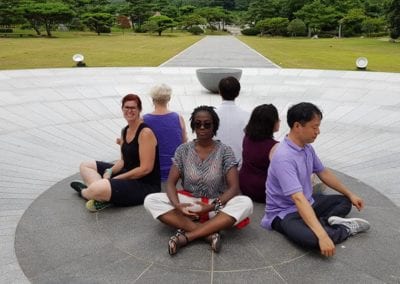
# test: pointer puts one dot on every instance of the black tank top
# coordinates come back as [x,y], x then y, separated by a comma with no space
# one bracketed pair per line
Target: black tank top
[130,155]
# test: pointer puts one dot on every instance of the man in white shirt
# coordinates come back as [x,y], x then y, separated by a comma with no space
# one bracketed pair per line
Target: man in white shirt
[233,119]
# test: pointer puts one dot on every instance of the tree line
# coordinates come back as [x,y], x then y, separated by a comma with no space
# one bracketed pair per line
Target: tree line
[273,17]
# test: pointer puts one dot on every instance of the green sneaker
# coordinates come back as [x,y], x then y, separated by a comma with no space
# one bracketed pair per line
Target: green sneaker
[94,205]
[78,186]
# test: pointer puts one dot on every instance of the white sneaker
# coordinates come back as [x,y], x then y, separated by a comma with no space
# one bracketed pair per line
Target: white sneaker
[355,225]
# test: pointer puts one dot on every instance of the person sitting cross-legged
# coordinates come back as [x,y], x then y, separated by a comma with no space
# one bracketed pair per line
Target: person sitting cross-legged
[130,179]
[208,170]
[314,221]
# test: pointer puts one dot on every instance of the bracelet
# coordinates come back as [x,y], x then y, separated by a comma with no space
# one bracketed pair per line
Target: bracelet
[109,171]
[217,205]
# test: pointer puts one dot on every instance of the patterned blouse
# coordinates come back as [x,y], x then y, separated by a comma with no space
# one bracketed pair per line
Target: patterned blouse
[204,178]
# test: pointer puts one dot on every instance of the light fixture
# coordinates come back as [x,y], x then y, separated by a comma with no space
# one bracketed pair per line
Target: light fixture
[361,63]
[78,58]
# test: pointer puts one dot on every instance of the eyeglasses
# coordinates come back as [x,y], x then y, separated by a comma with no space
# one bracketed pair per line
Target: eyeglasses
[199,124]
[127,108]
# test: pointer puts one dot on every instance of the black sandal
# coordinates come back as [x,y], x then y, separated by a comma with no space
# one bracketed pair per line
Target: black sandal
[215,242]
[175,242]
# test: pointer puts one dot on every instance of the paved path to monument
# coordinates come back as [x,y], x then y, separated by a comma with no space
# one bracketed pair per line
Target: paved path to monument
[219,51]
[51,119]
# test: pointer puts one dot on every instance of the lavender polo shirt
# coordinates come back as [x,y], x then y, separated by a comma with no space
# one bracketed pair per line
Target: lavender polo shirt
[289,172]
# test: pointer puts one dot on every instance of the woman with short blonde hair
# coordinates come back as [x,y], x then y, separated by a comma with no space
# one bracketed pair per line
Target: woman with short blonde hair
[168,126]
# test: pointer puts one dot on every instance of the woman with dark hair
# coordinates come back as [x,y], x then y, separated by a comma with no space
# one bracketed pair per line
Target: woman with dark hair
[130,179]
[258,145]
[209,175]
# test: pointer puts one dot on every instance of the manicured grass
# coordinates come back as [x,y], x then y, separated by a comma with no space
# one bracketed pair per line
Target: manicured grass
[335,54]
[105,50]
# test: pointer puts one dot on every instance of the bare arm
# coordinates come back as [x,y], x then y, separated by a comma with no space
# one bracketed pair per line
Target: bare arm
[172,194]
[173,178]
[271,152]
[147,154]
[232,179]
[183,127]
[333,182]
[326,245]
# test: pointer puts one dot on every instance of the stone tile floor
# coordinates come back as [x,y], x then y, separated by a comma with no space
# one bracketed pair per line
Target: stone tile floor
[51,119]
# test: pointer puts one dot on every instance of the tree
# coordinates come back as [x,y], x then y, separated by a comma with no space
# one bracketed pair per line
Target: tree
[352,22]
[9,14]
[226,4]
[170,11]
[186,10]
[317,16]
[140,11]
[48,14]
[296,27]
[211,14]
[273,26]
[372,25]
[393,16]
[242,5]
[98,22]
[188,21]
[123,22]
[262,9]
[158,24]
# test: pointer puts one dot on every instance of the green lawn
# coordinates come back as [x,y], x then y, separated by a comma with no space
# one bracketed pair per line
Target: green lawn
[106,50]
[335,54]
[129,49]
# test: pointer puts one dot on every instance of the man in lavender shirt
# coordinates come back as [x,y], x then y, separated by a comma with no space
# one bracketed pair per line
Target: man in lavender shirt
[309,220]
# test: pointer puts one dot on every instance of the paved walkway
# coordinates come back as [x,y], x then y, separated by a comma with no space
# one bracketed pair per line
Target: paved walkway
[219,51]
[51,119]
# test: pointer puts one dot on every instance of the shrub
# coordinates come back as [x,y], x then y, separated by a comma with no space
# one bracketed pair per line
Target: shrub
[212,27]
[196,30]
[372,25]
[297,28]
[6,30]
[394,33]
[105,30]
[76,25]
[139,29]
[273,26]
[250,31]
[379,34]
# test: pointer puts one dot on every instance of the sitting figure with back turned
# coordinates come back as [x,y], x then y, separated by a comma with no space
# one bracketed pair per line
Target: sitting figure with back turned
[258,146]
[168,126]
[233,118]
[312,221]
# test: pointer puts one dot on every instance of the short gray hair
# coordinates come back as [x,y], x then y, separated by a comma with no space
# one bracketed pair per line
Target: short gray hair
[161,93]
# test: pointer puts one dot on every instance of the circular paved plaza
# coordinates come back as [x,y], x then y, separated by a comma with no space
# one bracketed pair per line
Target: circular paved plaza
[52,119]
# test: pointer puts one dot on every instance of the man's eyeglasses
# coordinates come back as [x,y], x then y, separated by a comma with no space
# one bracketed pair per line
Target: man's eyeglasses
[199,124]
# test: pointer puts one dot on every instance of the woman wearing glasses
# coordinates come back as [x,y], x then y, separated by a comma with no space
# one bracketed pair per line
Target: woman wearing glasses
[130,179]
[209,201]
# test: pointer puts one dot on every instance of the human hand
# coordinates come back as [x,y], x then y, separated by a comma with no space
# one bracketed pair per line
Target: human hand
[326,246]
[184,208]
[357,201]
[201,208]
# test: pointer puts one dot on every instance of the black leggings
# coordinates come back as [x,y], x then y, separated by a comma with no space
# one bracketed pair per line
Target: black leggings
[325,206]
